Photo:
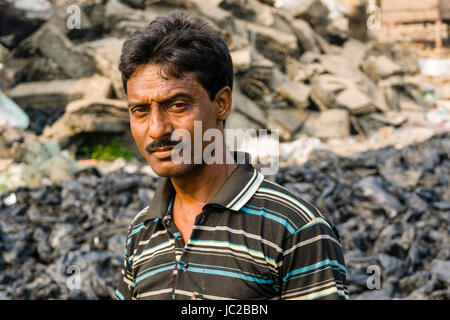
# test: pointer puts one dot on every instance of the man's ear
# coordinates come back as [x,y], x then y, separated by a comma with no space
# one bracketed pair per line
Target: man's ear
[223,101]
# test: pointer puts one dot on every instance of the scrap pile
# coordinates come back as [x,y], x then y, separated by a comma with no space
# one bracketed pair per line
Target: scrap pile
[391,208]
[80,223]
[298,67]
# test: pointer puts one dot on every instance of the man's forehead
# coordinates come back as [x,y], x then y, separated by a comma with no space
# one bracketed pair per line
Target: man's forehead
[150,81]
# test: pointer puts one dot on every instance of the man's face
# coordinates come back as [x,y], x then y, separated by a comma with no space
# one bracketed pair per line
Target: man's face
[158,106]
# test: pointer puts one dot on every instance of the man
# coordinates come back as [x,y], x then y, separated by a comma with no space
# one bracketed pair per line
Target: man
[212,230]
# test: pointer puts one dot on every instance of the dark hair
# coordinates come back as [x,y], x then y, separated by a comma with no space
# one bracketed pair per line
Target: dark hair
[178,43]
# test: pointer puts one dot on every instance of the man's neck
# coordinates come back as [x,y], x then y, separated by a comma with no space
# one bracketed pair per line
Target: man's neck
[199,186]
[194,190]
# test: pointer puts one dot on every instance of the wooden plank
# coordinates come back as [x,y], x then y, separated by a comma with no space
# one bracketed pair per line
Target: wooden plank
[444,8]
[444,5]
[410,16]
[438,41]
[391,8]
[401,5]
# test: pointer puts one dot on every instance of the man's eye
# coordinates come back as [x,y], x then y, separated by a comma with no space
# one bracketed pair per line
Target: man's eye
[139,110]
[178,106]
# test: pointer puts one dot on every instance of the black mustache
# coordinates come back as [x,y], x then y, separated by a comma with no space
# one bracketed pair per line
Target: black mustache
[160,144]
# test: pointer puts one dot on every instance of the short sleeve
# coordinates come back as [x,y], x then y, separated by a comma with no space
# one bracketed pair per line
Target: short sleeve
[313,265]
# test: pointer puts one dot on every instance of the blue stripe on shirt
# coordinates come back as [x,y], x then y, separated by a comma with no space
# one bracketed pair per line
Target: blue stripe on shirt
[119,295]
[269,216]
[228,274]
[148,274]
[314,266]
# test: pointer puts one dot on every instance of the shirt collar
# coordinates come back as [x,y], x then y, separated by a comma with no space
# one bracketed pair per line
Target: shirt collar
[235,192]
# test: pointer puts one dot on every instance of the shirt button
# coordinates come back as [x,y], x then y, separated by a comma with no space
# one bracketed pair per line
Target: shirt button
[167,219]
[183,266]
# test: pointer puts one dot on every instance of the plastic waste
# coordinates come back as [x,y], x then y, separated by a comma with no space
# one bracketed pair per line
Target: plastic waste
[34,9]
[12,114]
[434,67]
[288,4]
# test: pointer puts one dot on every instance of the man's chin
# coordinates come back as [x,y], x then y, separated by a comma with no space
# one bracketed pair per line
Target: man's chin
[169,169]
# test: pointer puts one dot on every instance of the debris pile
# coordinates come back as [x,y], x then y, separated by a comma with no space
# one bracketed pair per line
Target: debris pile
[391,208]
[298,67]
[80,223]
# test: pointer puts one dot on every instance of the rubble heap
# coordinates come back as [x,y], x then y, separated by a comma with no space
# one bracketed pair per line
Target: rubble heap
[297,66]
[81,223]
[391,208]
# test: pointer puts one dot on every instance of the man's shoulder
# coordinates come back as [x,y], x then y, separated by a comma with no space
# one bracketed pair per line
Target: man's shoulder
[139,218]
[275,199]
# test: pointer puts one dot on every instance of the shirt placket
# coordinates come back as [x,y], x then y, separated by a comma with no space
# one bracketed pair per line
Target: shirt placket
[175,236]
[183,265]
[182,262]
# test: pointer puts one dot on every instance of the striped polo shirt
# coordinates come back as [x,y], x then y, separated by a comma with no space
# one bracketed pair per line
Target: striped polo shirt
[253,240]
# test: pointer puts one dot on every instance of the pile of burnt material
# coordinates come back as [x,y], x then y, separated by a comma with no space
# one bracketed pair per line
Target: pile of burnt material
[50,235]
[39,119]
[299,67]
[391,208]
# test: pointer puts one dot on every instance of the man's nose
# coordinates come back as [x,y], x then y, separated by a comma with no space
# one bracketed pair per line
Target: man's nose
[158,125]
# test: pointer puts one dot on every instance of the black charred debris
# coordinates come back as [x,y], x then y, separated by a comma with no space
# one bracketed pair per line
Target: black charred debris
[391,208]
